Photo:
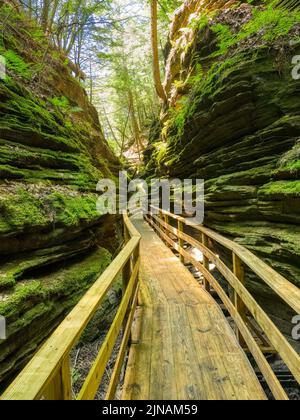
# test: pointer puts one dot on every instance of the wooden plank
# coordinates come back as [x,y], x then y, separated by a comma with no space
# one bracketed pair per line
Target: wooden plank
[168,362]
[253,346]
[53,391]
[259,334]
[157,377]
[126,274]
[261,361]
[138,371]
[187,373]
[94,378]
[175,365]
[227,375]
[133,232]
[276,338]
[288,292]
[115,377]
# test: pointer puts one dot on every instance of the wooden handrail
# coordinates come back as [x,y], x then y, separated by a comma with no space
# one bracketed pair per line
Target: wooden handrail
[279,284]
[48,375]
[243,300]
[133,232]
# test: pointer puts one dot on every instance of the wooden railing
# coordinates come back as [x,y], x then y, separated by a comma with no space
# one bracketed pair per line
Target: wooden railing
[252,323]
[48,374]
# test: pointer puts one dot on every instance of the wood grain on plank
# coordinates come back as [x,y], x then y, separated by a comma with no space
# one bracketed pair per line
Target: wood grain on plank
[186,349]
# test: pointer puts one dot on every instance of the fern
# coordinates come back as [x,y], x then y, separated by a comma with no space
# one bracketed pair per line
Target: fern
[272,23]
[16,64]
[288,4]
[61,102]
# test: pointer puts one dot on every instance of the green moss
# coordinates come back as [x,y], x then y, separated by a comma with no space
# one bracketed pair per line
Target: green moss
[197,75]
[22,293]
[204,86]
[70,210]
[74,278]
[45,207]
[271,23]
[293,166]
[225,38]
[29,316]
[199,22]
[30,163]
[78,276]
[201,87]
[21,209]
[60,102]
[281,188]
[13,270]
[160,149]
[16,64]
[274,22]
[7,281]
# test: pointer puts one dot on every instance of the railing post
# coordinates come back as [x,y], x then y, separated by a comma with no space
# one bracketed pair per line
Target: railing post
[161,217]
[166,219]
[180,240]
[239,272]
[60,387]
[206,283]
[66,379]
[127,267]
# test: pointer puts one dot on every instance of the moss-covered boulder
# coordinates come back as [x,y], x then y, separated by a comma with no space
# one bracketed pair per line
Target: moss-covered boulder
[53,242]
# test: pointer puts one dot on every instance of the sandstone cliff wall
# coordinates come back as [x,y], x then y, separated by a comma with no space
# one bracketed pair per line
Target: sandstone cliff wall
[234,120]
[53,243]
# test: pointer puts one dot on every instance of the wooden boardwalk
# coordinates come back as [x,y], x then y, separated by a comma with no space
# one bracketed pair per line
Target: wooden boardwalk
[182,346]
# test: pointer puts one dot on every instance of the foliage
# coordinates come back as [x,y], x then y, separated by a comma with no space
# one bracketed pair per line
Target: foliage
[285,188]
[64,105]
[270,24]
[61,102]
[167,8]
[126,97]
[16,64]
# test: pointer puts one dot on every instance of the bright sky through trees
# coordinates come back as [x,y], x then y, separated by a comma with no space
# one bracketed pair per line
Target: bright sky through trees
[110,42]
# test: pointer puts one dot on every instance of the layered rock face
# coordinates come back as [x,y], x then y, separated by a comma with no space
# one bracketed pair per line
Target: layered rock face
[234,120]
[53,242]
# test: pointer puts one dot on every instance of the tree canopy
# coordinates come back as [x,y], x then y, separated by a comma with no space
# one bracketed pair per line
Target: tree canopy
[110,42]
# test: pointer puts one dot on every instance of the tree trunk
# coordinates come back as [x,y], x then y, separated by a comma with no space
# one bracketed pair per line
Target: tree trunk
[91,81]
[30,9]
[45,15]
[156,69]
[134,123]
[52,15]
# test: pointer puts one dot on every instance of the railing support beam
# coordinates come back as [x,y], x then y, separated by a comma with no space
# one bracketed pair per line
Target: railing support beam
[206,283]
[180,240]
[60,387]
[239,271]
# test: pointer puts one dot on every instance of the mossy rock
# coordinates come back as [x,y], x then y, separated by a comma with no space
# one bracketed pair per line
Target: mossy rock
[53,242]
[45,299]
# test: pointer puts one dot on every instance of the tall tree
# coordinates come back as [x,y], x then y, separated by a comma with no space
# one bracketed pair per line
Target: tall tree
[45,14]
[156,67]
